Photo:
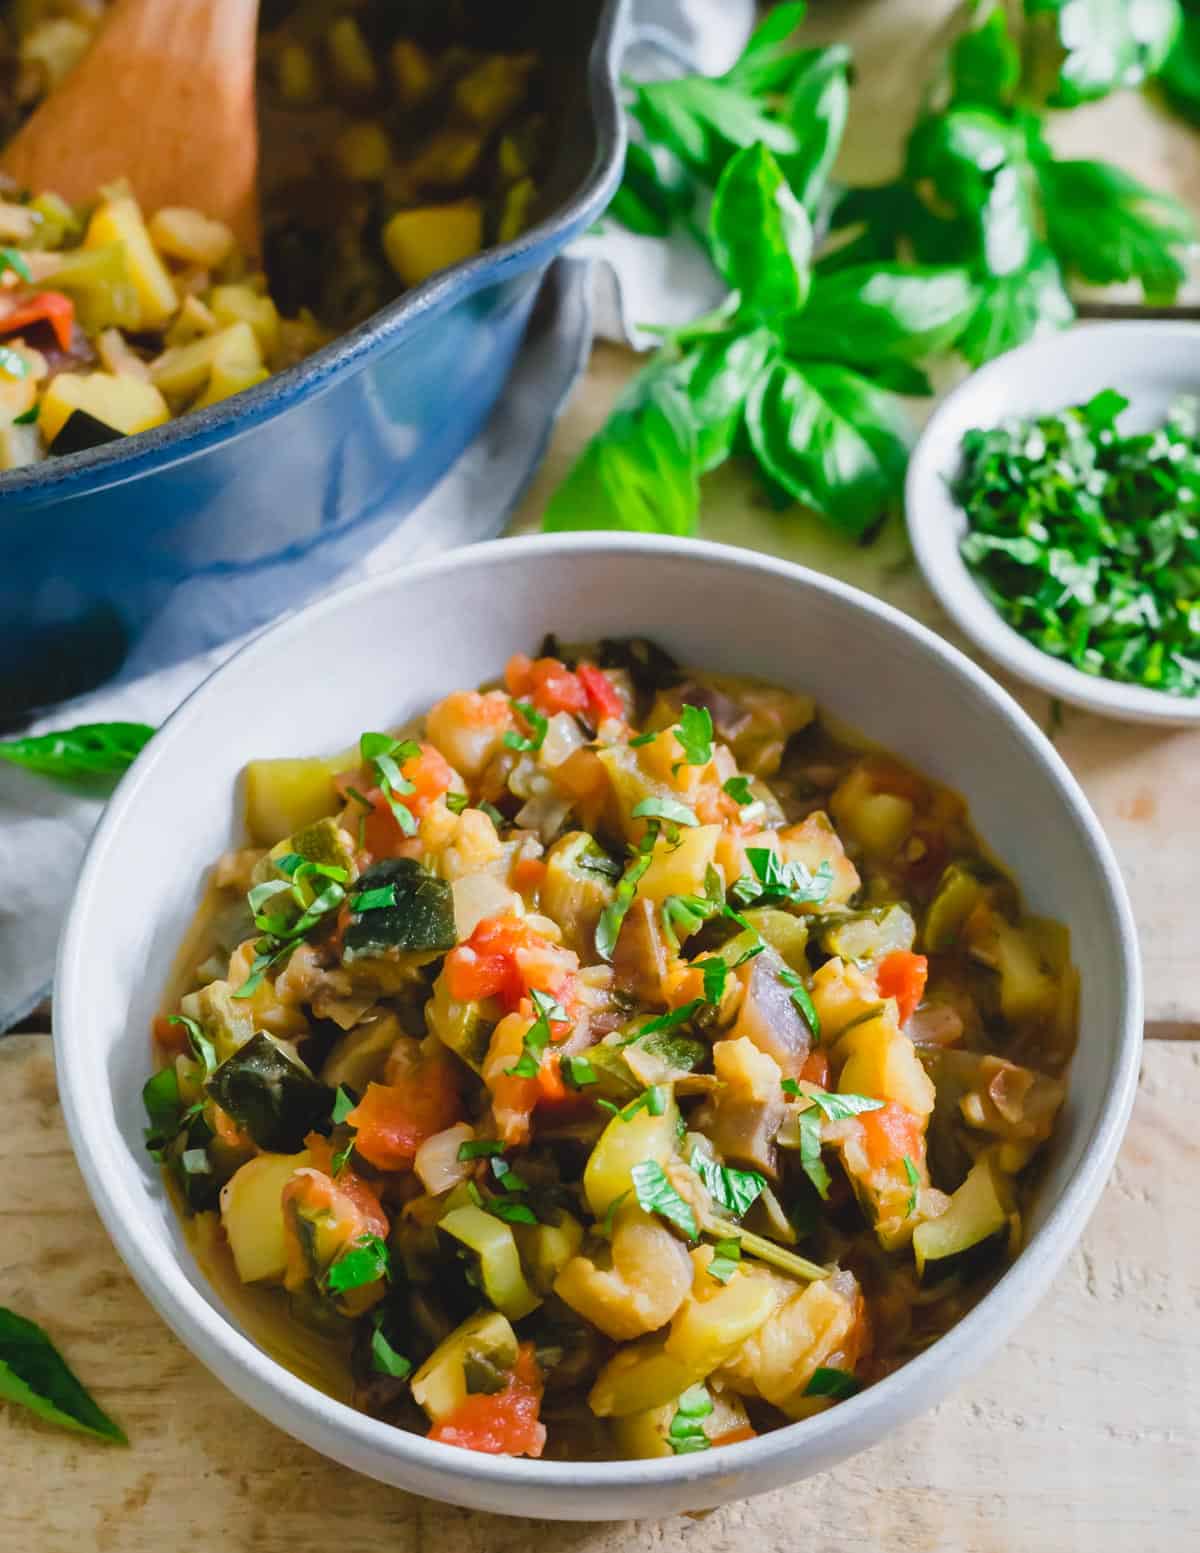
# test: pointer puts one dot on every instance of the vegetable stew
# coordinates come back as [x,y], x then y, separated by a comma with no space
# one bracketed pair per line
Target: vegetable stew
[390,149]
[621,1061]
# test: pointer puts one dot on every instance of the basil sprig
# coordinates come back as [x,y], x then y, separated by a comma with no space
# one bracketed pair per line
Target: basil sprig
[35,1375]
[90,756]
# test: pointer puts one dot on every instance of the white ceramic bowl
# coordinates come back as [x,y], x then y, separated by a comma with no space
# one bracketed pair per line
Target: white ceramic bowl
[376,653]
[1151,364]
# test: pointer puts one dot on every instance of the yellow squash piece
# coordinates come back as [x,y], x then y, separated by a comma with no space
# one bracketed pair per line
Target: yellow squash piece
[420,242]
[184,370]
[252,1214]
[119,220]
[124,403]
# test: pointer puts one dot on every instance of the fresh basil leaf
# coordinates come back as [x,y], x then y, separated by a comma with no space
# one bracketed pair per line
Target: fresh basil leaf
[811,1163]
[734,1190]
[802,999]
[914,1181]
[672,1021]
[92,753]
[27,417]
[668,809]
[1107,44]
[870,312]
[35,1375]
[652,1100]
[831,439]
[768,62]
[817,107]
[511,1209]
[641,471]
[1108,228]
[694,731]
[203,1049]
[705,122]
[609,926]
[380,899]
[343,1104]
[386,755]
[1180,75]
[761,236]
[649,200]
[457,802]
[655,1194]
[479,1148]
[715,972]
[577,1071]
[538,1036]
[384,1358]
[738,788]
[1017,308]
[774,880]
[837,1108]
[985,62]
[365,1262]
[419,916]
[838,1384]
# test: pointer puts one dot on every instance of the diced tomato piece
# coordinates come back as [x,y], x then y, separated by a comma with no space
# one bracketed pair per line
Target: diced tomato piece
[518,674]
[815,1068]
[393,1120]
[504,958]
[51,307]
[602,697]
[902,975]
[504,1424]
[431,775]
[170,1037]
[527,875]
[362,1193]
[734,1436]
[891,1133]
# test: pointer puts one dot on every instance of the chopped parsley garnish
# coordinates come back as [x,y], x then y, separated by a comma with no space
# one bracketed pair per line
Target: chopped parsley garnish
[365,1262]
[809,1122]
[1083,538]
[384,1357]
[727,1254]
[457,802]
[284,930]
[738,788]
[533,720]
[715,972]
[511,1209]
[685,1433]
[479,1148]
[668,809]
[683,915]
[644,738]
[802,999]
[775,880]
[835,1108]
[577,1072]
[609,926]
[695,734]
[734,1190]
[506,1176]
[203,1049]
[380,899]
[538,1036]
[655,1194]
[837,1384]
[914,1181]
[672,1021]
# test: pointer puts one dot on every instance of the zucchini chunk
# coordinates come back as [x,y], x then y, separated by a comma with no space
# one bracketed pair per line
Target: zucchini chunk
[418,917]
[476,1357]
[981,1208]
[271,1095]
[500,1273]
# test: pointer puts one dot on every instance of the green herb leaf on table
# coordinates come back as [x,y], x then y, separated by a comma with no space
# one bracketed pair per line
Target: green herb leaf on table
[34,1375]
[655,1194]
[985,61]
[870,313]
[92,753]
[1108,44]
[761,236]
[734,1190]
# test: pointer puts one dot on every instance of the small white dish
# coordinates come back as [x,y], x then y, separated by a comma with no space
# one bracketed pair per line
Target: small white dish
[378,653]
[1151,364]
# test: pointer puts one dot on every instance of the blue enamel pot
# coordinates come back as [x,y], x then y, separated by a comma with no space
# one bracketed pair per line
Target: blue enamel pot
[154,547]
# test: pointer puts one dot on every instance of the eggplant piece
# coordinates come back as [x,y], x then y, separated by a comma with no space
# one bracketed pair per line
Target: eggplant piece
[415,914]
[649,666]
[81,431]
[768,1017]
[274,1098]
[639,958]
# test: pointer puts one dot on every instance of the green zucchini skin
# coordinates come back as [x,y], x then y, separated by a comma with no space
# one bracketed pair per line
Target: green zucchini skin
[420,918]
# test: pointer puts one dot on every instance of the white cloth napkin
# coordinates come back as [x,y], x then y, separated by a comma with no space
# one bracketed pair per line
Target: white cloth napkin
[43,830]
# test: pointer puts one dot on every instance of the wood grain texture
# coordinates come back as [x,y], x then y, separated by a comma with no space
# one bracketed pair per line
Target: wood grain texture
[1082,1437]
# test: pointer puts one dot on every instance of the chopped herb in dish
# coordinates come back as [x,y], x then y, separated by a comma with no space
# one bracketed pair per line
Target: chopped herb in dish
[522,1057]
[1086,538]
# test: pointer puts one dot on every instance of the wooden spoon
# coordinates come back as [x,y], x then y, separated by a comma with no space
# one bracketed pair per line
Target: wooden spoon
[165,98]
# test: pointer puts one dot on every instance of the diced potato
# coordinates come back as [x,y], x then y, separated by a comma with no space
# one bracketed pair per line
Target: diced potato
[815,842]
[646,1284]
[189,235]
[227,379]
[879,1060]
[418,243]
[297,75]
[252,1213]
[841,995]
[622,1145]
[413,72]
[18,395]
[242,304]
[486,1339]
[877,821]
[680,870]
[363,151]
[99,281]
[119,220]
[124,403]
[183,370]
[490,91]
[353,63]
[228,1022]
[283,796]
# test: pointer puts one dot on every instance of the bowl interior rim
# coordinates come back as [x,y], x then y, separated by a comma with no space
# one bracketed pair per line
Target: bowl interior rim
[935,520]
[100,1147]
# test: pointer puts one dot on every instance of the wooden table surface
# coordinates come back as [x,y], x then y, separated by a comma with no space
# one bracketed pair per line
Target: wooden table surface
[1083,1436]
